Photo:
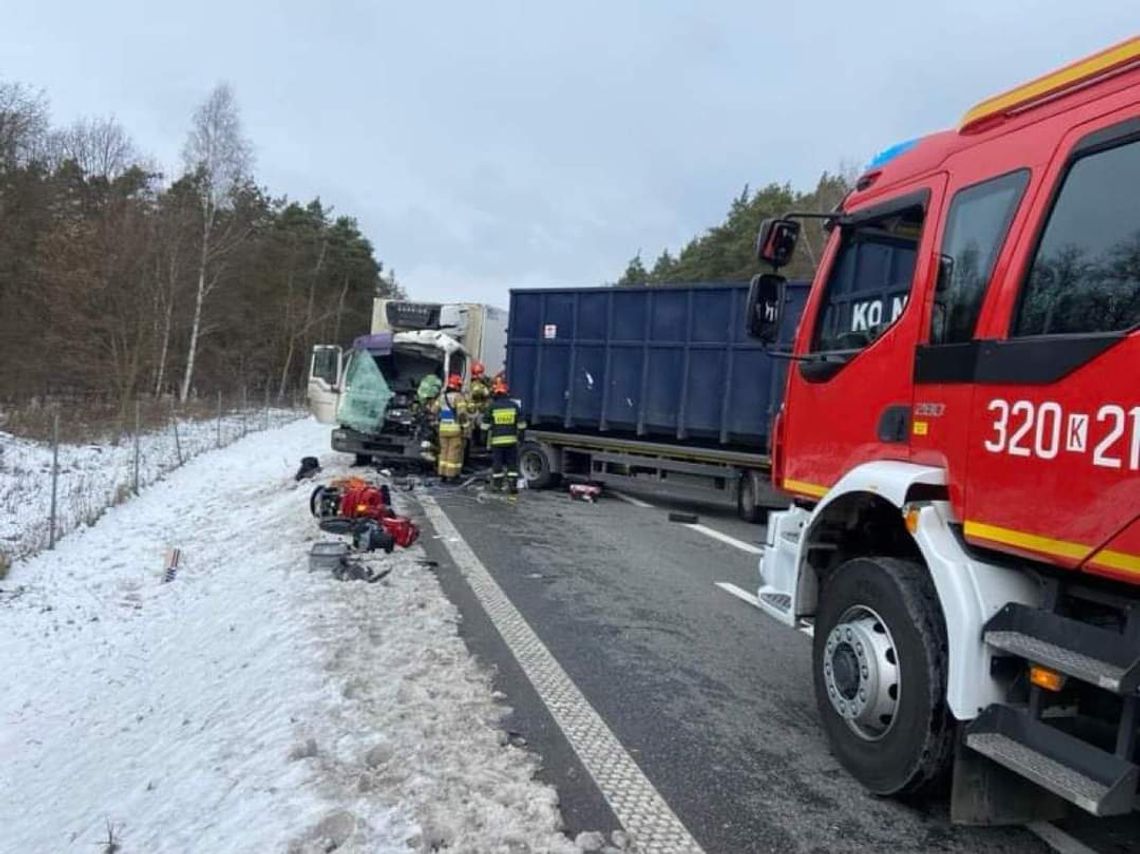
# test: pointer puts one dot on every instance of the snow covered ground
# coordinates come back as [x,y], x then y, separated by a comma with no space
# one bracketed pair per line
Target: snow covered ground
[95,476]
[248,705]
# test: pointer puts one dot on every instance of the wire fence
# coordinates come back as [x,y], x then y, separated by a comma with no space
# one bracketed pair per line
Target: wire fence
[63,466]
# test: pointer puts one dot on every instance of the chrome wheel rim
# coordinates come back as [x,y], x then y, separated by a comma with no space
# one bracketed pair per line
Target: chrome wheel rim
[861,673]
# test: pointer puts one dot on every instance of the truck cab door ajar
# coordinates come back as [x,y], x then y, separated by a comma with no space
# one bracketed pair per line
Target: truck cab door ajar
[323,391]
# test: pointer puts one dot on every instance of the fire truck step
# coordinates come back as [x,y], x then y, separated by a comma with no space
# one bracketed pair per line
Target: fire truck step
[1082,651]
[1097,782]
[779,601]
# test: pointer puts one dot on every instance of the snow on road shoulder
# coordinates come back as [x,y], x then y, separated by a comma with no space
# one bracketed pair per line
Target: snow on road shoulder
[249,705]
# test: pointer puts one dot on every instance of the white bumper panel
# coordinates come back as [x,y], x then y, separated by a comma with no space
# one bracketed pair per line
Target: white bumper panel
[779,565]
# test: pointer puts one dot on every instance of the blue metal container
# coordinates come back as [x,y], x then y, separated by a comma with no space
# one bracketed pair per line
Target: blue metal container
[664,362]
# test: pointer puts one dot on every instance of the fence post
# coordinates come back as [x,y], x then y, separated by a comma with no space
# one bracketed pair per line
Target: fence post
[54,479]
[138,428]
[219,418]
[266,416]
[244,406]
[174,423]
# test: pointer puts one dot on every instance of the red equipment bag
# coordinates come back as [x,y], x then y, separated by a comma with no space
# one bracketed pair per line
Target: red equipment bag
[402,530]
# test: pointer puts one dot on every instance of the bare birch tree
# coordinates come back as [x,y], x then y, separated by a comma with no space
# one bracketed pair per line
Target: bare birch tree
[172,250]
[218,156]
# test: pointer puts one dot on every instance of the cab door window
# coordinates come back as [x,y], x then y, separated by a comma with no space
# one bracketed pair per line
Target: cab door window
[325,364]
[1085,276]
[976,227]
[870,279]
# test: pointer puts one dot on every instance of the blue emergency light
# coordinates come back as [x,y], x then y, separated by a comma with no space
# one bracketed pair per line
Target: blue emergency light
[888,154]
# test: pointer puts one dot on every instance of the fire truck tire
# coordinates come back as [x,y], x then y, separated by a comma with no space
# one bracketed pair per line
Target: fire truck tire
[879,661]
[536,466]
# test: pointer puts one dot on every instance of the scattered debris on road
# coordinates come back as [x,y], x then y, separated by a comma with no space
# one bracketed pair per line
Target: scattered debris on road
[587,492]
[310,466]
[326,556]
[173,559]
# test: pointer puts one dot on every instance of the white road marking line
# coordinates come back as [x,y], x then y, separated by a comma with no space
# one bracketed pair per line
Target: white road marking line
[1057,839]
[807,628]
[725,538]
[629,499]
[739,593]
[635,801]
[703,529]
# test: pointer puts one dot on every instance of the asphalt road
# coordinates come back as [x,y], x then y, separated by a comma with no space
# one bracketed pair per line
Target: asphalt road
[712,699]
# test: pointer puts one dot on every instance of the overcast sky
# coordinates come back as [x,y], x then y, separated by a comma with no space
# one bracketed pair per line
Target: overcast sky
[488,145]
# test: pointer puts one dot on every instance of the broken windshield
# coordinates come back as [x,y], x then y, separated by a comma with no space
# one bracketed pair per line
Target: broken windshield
[366,394]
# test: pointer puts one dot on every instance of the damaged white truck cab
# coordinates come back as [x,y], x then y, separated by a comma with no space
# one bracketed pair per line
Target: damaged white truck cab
[369,392]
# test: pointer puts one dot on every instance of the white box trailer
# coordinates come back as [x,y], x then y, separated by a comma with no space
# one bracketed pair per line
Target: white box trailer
[480,329]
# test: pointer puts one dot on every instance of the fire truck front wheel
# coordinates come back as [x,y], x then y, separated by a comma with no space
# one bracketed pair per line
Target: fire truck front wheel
[879,657]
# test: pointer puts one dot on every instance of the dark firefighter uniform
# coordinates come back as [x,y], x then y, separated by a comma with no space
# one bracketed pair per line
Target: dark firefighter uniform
[505,426]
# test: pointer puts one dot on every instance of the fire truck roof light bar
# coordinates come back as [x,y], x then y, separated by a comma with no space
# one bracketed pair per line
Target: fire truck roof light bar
[1083,72]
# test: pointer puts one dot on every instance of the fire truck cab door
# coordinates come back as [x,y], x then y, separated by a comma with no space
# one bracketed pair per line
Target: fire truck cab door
[849,395]
[1054,433]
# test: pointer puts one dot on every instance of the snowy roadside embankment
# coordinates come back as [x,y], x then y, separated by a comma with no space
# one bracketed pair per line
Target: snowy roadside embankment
[249,705]
[96,475]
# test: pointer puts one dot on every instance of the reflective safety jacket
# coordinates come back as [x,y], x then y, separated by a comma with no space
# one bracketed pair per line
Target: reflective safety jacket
[451,408]
[505,422]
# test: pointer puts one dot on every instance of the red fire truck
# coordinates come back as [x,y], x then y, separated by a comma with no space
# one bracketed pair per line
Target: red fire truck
[961,435]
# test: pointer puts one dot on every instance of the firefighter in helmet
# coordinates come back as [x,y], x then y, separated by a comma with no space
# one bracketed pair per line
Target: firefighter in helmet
[452,413]
[479,393]
[480,387]
[423,415]
[506,423]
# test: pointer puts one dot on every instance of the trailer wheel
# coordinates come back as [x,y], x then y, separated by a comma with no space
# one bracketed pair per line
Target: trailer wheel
[748,507]
[362,460]
[536,466]
[879,658]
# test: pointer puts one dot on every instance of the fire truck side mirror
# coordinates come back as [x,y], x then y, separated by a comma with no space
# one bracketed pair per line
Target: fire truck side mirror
[776,242]
[765,307]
